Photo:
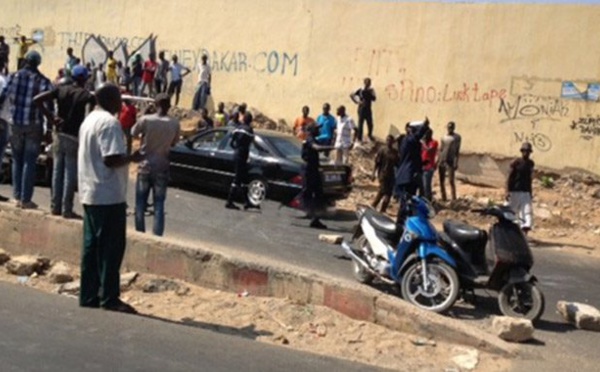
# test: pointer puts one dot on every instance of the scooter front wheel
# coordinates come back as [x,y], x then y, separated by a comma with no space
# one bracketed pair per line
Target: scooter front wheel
[521,300]
[358,270]
[438,293]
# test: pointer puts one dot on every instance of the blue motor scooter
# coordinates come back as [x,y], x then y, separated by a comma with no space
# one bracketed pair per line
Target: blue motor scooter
[408,256]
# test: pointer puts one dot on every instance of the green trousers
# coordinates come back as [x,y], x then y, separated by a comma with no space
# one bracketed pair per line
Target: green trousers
[104,229]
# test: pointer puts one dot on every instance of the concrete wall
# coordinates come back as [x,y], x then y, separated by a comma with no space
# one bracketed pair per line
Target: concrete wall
[496,69]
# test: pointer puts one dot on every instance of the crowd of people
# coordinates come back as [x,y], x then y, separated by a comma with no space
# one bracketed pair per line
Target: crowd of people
[92,129]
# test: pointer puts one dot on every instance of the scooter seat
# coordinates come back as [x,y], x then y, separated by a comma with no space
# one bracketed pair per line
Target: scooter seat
[381,222]
[462,233]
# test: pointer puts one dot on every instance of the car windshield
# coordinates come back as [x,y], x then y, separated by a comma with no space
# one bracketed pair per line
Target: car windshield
[289,148]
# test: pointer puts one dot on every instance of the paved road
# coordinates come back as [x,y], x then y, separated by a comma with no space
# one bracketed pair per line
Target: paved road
[280,234]
[44,332]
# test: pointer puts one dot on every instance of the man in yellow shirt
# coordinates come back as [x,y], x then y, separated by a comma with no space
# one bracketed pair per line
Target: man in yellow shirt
[111,69]
[24,44]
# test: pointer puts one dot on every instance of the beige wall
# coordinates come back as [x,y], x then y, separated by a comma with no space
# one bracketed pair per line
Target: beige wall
[495,69]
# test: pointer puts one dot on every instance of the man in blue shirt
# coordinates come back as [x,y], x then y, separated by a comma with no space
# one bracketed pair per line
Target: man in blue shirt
[27,125]
[326,124]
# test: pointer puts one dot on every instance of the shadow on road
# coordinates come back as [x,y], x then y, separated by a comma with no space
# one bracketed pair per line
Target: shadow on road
[249,332]
[536,243]
[555,327]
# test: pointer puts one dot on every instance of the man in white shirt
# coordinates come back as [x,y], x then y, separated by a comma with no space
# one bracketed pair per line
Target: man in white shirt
[203,90]
[102,162]
[345,133]
[178,72]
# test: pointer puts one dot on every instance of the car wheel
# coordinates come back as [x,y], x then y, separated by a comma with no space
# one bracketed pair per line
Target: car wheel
[257,191]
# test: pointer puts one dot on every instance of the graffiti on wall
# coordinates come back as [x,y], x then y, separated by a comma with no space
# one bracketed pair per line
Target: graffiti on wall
[588,127]
[407,91]
[95,51]
[540,141]
[95,48]
[533,109]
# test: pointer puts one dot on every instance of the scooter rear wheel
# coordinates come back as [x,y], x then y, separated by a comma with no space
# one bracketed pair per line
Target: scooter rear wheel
[521,300]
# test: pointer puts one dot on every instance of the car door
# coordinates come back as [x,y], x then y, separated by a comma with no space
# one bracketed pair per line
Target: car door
[199,158]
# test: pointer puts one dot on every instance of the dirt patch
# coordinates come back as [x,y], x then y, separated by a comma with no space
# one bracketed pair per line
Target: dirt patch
[295,325]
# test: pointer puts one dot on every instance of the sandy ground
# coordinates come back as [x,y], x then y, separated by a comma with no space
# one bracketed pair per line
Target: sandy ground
[300,326]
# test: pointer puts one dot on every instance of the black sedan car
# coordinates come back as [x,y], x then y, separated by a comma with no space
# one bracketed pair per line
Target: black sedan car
[275,166]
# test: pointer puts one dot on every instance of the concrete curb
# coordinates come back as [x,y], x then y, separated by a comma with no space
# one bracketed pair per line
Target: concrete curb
[36,232]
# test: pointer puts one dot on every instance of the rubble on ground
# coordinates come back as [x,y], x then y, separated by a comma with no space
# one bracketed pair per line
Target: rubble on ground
[26,265]
[331,238]
[60,273]
[582,316]
[512,329]
[4,256]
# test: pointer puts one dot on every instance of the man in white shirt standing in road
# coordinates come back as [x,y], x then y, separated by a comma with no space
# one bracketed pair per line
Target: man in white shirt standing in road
[203,90]
[102,163]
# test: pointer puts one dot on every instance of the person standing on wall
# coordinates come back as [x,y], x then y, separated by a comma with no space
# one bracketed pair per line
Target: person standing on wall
[24,44]
[72,101]
[519,187]
[345,135]
[385,165]
[302,122]
[137,71]
[204,84]
[178,72]
[241,139]
[364,98]
[159,132]
[448,163]
[160,79]
[103,171]
[410,167]
[4,54]
[150,68]
[70,63]
[112,73]
[429,150]
[27,127]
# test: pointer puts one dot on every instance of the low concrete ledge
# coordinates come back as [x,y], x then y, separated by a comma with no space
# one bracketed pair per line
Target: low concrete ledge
[36,232]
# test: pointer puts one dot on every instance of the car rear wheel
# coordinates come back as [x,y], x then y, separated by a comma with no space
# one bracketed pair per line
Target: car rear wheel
[257,191]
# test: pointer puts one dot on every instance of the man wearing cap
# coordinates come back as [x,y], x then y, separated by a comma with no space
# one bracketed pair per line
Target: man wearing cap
[519,187]
[27,127]
[158,133]
[73,102]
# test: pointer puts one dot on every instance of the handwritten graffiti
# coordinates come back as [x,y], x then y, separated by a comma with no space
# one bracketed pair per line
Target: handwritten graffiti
[533,108]
[79,38]
[408,91]
[270,62]
[10,32]
[376,62]
[540,141]
[95,51]
[588,127]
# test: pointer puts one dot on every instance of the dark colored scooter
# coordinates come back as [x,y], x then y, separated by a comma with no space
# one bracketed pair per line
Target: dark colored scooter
[499,261]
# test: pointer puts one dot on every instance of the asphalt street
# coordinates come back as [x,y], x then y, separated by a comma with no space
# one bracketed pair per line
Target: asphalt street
[44,332]
[280,234]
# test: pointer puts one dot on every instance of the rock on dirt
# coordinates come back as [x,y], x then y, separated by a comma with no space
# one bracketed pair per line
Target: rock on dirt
[542,213]
[60,273]
[580,315]
[160,285]
[4,257]
[331,239]
[69,288]
[26,265]
[466,359]
[127,279]
[512,329]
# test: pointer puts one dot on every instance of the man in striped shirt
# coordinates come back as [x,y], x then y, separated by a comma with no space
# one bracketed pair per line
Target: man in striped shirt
[27,125]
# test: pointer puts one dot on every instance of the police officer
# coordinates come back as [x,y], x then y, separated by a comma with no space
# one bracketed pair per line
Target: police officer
[241,140]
